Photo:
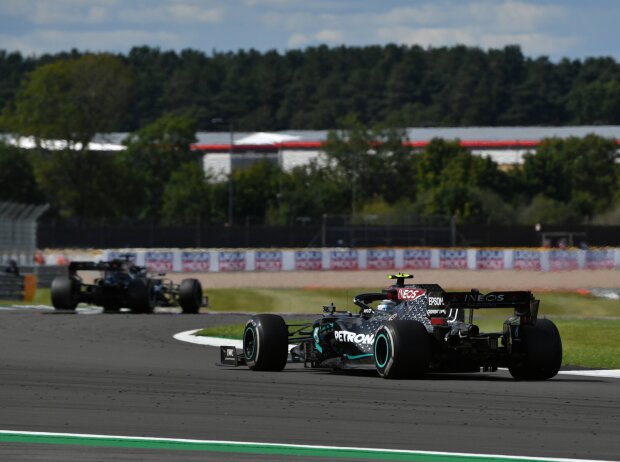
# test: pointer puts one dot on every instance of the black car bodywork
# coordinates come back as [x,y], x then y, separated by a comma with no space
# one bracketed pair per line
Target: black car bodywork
[417,328]
[123,284]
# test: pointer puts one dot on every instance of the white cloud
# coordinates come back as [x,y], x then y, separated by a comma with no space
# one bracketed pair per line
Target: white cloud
[514,15]
[531,43]
[194,13]
[183,13]
[508,15]
[290,23]
[297,40]
[328,36]
[41,12]
[484,23]
[51,40]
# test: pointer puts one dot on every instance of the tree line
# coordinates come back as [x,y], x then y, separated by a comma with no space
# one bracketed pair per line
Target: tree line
[316,87]
[370,176]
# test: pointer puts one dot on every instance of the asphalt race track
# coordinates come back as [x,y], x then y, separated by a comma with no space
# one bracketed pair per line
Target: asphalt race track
[125,375]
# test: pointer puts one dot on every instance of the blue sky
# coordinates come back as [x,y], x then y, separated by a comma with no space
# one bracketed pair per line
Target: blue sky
[555,28]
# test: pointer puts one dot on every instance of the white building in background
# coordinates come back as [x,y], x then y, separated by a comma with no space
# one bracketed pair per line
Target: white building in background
[291,148]
[505,145]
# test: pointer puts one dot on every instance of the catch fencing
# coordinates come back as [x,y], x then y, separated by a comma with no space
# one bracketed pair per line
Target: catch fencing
[18,231]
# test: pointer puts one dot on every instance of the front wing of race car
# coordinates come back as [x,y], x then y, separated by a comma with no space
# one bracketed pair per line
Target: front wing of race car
[230,357]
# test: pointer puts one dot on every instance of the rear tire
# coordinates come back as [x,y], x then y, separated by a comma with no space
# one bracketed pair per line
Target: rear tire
[401,349]
[540,354]
[141,295]
[65,293]
[265,343]
[190,296]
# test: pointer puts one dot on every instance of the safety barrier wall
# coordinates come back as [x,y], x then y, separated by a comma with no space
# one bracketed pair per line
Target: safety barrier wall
[14,287]
[11,287]
[334,259]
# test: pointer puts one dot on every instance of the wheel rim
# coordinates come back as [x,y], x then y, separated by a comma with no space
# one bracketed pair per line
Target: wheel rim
[249,343]
[382,350]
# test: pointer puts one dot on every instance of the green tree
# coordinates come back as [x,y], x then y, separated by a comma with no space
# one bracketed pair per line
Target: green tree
[71,99]
[582,172]
[308,191]
[548,211]
[153,153]
[81,184]
[255,191]
[17,176]
[372,163]
[187,197]
[454,182]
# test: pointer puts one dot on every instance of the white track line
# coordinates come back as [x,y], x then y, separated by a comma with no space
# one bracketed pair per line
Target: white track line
[336,449]
[190,337]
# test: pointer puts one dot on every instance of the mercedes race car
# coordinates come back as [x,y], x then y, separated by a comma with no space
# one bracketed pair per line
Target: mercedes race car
[124,285]
[406,331]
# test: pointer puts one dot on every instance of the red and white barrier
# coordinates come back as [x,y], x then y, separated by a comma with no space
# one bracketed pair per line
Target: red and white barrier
[345,259]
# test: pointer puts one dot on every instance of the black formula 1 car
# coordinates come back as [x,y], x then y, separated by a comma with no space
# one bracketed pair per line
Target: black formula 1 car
[410,330]
[124,285]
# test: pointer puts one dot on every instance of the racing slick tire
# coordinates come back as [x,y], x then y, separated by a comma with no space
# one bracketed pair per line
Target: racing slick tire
[401,349]
[540,354]
[265,343]
[190,296]
[65,293]
[141,295]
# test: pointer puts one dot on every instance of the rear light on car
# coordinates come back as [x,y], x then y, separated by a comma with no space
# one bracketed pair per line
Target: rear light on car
[438,321]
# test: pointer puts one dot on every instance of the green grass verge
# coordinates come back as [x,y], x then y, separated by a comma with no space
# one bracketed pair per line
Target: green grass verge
[279,300]
[312,301]
[41,297]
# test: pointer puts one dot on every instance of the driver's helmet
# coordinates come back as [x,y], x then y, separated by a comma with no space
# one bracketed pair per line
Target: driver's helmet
[386,305]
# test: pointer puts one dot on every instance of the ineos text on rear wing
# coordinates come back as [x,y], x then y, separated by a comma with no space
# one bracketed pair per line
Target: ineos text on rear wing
[523,302]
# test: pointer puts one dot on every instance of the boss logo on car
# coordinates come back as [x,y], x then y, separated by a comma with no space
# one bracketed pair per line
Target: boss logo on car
[410,294]
[354,337]
[435,301]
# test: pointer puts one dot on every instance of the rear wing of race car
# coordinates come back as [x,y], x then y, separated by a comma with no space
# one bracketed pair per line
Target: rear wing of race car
[113,265]
[523,302]
[76,266]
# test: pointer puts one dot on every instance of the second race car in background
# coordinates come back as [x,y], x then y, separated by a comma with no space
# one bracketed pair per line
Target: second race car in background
[124,285]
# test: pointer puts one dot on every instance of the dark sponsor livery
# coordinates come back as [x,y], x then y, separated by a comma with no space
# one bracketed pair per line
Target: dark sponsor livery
[407,330]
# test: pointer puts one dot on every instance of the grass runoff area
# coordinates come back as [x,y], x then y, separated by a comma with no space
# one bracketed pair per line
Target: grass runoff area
[588,325]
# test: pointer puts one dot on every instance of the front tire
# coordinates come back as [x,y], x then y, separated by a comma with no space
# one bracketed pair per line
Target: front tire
[265,343]
[141,295]
[190,296]
[65,293]
[540,353]
[401,349]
